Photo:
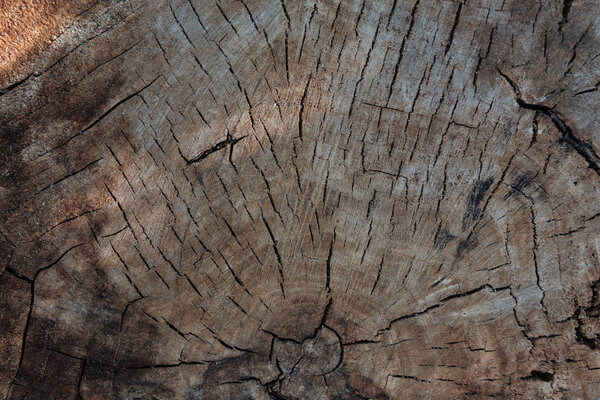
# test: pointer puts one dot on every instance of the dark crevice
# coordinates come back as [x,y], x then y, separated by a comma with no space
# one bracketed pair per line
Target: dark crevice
[539,376]
[278,255]
[235,275]
[518,321]
[360,342]
[70,175]
[17,275]
[590,90]
[80,380]
[32,301]
[301,112]
[441,303]
[226,18]
[584,149]
[111,109]
[454,25]
[414,378]
[378,275]
[337,14]
[127,308]
[69,220]
[230,141]
[341,359]
[287,16]
[174,329]
[281,338]
[14,85]
[250,15]
[566,9]
[168,261]
[328,267]
[197,15]
[324,316]
[233,347]
[362,70]
[180,26]
[401,51]
[287,64]
[155,366]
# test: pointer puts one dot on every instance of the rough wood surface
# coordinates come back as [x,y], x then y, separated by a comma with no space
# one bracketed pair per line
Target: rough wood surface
[299,200]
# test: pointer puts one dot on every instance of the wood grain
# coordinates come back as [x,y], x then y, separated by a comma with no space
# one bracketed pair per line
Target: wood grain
[280,199]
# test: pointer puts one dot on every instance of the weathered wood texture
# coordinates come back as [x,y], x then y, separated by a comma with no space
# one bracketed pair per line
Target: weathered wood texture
[299,200]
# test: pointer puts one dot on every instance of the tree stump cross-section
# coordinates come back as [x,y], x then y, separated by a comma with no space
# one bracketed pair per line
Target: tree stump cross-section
[361,199]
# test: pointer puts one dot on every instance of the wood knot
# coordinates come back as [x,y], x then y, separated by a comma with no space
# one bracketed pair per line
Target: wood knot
[316,355]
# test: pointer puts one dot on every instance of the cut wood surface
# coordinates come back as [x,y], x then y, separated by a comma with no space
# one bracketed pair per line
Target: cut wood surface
[280,199]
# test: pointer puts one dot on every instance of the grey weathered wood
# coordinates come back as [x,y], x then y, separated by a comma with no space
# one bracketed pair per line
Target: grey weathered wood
[300,200]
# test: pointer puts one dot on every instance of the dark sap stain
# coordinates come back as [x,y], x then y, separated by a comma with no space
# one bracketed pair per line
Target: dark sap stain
[474,201]
[442,238]
[199,177]
[522,182]
[465,245]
